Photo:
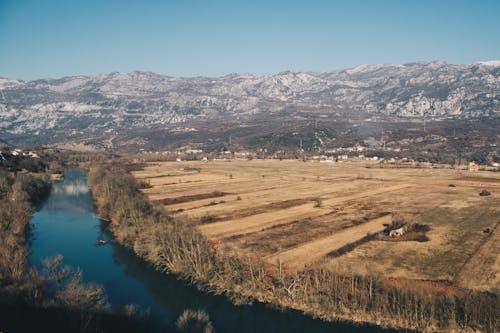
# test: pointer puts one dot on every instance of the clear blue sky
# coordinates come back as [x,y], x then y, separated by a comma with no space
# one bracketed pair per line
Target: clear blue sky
[52,38]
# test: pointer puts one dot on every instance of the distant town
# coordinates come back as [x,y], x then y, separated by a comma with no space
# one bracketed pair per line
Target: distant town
[336,155]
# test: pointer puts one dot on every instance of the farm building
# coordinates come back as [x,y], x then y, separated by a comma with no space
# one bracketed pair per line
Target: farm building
[473,167]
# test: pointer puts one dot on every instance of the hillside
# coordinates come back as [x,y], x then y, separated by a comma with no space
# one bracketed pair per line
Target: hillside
[107,107]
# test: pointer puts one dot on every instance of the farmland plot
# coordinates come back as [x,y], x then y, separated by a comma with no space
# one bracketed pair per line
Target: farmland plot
[296,214]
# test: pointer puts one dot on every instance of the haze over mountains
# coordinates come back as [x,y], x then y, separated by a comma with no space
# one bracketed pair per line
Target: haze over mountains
[93,105]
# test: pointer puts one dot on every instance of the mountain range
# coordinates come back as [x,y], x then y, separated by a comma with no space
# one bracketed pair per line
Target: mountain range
[86,106]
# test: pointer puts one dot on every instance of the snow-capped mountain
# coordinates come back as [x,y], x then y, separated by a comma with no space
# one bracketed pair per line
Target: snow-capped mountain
[144,99]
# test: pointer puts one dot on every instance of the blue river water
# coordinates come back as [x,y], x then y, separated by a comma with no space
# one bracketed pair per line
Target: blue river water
[68,224]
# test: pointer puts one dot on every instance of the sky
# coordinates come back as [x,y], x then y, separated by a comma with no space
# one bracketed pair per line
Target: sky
[55,38]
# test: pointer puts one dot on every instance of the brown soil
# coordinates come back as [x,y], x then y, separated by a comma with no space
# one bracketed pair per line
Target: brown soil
[187,198]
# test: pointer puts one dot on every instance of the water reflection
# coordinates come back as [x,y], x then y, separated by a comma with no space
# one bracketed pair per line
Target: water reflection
[71,195]
[75,189]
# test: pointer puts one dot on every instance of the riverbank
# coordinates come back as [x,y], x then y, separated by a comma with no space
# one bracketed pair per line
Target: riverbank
[174,246]
[52,297]
[20,193]
[68,224]
[25,318]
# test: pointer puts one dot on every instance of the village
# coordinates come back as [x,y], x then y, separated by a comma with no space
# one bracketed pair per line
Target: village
[18,152]
[336,155]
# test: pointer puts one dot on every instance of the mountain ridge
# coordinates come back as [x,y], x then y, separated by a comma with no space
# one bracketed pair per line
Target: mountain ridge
[141,100]
[492,62]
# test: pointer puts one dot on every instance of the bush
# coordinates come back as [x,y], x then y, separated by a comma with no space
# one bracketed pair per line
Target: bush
[420,227]
[5,182]
[207,219]
[64,287]
[484,193]
[36,188]
[421,238]
[194,322]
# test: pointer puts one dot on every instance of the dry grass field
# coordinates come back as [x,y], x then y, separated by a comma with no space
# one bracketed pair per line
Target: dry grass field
[299,214]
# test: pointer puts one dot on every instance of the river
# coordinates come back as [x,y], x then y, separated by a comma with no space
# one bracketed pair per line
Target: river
[68,224]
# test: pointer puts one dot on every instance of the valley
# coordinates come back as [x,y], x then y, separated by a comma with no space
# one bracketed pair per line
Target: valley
[297,214]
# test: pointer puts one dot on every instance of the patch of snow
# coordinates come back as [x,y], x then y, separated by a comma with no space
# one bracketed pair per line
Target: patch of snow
[492,63]
[6,83]
[72,83]
[364,68]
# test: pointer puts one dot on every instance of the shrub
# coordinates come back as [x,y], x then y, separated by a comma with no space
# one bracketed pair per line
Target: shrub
[318,202]
[207,219]
[397,222]
[421,238]
[420,227]
[484,193]
[130,310]
[36,188]
[64,287]
[191,321]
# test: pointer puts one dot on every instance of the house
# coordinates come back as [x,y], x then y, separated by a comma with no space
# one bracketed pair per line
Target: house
[194,151]
[243,154]
[397,232]
[326,159]
[33,154]
[16,152]
[473,167]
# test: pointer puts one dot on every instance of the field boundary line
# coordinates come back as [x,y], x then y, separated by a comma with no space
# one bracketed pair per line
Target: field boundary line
[311,251]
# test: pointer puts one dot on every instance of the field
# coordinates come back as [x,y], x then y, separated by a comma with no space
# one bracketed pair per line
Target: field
[296,214]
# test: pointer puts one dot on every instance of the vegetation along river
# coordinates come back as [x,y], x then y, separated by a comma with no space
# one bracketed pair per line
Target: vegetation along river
[68,224]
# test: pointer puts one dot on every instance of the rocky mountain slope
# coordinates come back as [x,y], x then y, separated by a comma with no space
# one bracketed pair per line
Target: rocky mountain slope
[109,102]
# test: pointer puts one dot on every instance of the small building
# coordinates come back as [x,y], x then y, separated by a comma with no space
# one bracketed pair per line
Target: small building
[327,160]
[194,151]
[17,152]
[473,167]
[397,232]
